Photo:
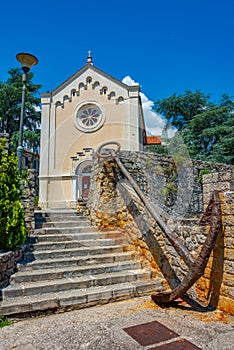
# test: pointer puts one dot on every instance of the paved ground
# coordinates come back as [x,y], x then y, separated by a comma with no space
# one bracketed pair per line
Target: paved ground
[101,327]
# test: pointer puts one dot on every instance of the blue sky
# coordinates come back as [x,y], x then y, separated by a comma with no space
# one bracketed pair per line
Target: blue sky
[167,46]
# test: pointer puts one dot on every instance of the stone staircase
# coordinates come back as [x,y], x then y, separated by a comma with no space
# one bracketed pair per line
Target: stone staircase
[71,265]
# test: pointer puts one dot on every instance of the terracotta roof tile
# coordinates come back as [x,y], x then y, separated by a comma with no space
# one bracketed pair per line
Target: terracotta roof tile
[153,140]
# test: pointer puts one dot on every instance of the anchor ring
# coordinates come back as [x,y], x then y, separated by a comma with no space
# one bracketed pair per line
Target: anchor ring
[108,152]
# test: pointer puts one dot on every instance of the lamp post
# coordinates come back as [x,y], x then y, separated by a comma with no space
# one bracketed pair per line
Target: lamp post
[27,61]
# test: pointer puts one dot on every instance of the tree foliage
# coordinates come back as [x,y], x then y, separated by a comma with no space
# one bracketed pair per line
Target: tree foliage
[207,128]
[10,107]
[12,226]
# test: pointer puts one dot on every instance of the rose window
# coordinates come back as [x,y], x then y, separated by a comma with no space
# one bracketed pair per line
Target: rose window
[89,117]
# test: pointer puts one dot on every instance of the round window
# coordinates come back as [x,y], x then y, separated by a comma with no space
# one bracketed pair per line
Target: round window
[89,117]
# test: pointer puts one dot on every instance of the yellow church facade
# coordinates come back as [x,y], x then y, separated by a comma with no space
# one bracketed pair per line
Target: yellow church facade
[89,108]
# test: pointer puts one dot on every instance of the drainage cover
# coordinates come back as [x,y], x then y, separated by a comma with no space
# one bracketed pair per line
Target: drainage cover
[151,333]
[181,344]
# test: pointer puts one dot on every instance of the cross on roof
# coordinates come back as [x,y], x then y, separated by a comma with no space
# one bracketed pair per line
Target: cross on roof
[89,58]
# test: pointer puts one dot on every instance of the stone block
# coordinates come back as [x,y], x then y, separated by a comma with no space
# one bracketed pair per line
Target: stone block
[126,292]
[228,220]
[229,234]
[72,300]
[99,296]
[226,176]
[228,279]
[227,291]
[44,304]
[226,304]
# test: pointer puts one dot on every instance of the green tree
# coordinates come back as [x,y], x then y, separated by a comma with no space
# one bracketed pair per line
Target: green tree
[207,128]
[160,149]
[180,109]
[12,225]
[10,106]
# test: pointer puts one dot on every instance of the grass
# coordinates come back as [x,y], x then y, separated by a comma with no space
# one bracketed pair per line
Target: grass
[4,321]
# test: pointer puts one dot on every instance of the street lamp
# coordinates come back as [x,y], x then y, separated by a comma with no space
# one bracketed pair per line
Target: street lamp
[27,61]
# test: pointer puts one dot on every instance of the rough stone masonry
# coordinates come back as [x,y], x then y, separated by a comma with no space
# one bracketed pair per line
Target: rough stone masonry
[114,204]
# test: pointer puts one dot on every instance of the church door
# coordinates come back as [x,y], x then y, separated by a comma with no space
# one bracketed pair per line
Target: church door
[85,186]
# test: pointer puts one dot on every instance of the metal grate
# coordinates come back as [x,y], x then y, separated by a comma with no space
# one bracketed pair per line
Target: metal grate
[150,333]
[181,344]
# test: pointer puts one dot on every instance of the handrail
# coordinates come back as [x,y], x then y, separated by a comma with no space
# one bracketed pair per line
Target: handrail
[212,217]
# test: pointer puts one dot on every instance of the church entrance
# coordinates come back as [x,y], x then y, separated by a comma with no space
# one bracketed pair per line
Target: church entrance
[83,173]
[85,186]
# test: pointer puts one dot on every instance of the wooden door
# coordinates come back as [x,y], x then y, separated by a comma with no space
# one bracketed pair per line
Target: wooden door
[85,186]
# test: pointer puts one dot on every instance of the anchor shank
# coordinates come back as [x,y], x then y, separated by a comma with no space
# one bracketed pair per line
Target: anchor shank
[179,247]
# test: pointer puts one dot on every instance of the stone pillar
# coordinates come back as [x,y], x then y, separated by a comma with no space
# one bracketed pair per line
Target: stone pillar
[217,285]
[104,200]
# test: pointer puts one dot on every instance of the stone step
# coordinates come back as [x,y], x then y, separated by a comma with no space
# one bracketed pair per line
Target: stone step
[60,230]
[45,254]
[76,299]
[55,214]
[58,285]
[51,212]
[63,224]
[71,272]
[74,218]
[73,244]
[52,215]
[64,237]
[72,265]
[74,261]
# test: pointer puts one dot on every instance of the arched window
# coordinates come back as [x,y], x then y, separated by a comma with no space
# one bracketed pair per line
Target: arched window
[58,104]
[66,98]
[120,100]
[87,169]
[111,95]
[81,86]
[96,84]
[73,93]
[88,80]
[103,91]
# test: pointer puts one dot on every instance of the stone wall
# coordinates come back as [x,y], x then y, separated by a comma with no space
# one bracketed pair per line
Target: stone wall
[114,204]
[173,182]
[110,209]
[217,284]
[8,262]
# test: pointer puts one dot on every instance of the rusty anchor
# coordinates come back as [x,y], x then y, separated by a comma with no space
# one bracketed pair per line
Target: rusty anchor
[211,217]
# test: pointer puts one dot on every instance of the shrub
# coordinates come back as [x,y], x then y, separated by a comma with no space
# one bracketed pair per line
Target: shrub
[36,199]
[201,173]
[12,225]
[4,321]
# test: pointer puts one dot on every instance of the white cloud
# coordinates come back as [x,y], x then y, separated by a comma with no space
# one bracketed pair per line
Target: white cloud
[37,108]
[154,122]
[129,81]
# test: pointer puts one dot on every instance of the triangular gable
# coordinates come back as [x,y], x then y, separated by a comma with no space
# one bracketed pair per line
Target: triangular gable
[97,70]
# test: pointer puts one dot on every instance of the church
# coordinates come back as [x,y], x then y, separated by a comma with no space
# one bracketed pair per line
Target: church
[89,108]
